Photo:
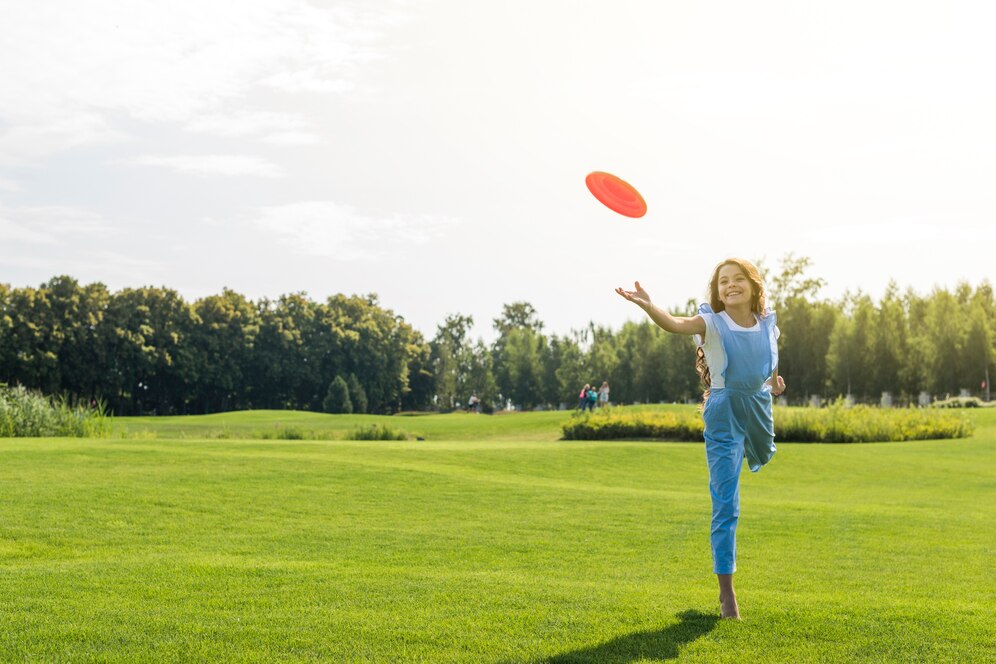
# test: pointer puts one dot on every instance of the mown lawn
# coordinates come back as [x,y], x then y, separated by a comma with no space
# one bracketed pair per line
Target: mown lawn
[488,542]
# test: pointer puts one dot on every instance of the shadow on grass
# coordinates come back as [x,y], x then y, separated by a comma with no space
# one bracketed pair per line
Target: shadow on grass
[656,644]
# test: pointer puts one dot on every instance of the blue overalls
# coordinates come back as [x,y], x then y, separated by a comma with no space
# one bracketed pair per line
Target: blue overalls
[738,422]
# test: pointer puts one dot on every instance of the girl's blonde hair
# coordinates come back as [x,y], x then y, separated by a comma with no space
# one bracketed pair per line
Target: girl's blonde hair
[758,300]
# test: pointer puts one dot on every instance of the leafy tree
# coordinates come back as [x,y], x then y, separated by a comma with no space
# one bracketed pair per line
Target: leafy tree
[421,384]
[946,328]
[6,338]
[373,343]
[480,377]
[337,397]
[518,315]
[519,355]
[851,353]
[152,367]
[978,352]
[223,341]
[569,367]
[357,394]
[603,356]
[791,283]
[30,355]
[451,360]
[891,343]
[281,373]
[520,374]
[915,371]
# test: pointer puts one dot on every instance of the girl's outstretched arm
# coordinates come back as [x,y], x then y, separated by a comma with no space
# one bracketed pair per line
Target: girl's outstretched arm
[675,324]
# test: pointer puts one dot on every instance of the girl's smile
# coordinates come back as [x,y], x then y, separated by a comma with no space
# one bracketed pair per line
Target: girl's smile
[734,286]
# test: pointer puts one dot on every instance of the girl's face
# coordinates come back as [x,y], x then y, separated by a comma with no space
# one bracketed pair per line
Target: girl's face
[734,286]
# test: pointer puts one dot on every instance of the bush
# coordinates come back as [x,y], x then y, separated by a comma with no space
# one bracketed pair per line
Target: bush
[839,423]
[834,424]
[377,432]
[963,402]
[29,414]
[611,424]
[337,398]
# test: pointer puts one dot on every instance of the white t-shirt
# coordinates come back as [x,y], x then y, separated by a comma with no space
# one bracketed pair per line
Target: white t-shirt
[712,346]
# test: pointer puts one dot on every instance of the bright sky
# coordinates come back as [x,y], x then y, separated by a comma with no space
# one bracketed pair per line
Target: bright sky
[434,152]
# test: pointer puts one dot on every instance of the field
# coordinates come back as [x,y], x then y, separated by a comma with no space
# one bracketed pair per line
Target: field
[489,541]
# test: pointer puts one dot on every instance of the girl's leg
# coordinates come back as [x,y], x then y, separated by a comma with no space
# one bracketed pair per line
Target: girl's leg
[726,458]
[724,442]
[725,461]
[727,597]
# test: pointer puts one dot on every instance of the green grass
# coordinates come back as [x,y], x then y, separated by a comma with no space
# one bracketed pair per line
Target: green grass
[488,542]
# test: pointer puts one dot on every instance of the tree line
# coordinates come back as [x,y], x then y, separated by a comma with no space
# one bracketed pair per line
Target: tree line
[147,350]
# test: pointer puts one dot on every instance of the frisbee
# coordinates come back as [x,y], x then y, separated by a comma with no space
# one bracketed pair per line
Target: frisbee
[616,194]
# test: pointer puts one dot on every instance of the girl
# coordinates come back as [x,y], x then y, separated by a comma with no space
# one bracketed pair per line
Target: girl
[583,397]
[737,359]
[603,394]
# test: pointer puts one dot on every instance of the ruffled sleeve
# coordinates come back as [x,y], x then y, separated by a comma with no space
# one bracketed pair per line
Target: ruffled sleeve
[712,347]
[705,311]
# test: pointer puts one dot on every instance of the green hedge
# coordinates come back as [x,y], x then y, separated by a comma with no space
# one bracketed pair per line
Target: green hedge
[866,424]
[29,414]
[616,423]
[963,402]
[836,423]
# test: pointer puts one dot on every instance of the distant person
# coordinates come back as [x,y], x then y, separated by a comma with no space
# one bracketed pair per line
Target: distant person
[474,404]
[583,397]
[737,361]
[592,397]
[603,394]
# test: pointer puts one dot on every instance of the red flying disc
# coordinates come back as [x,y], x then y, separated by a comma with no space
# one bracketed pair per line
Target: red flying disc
[616,194]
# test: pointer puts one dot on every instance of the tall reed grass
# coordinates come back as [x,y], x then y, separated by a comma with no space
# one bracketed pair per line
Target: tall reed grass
[377,432]
[24,413]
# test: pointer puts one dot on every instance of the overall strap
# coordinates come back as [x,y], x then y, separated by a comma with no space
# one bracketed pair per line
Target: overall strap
[768,323]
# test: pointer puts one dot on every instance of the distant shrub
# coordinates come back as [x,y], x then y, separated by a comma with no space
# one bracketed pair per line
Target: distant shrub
[611,424]
[289,433]
[963,402]
[337,397]
[377,432]
[837,423]
[292,433]
[29,414]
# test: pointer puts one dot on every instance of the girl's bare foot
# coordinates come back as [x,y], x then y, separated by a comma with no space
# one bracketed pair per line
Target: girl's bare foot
[729,608]
[727,597]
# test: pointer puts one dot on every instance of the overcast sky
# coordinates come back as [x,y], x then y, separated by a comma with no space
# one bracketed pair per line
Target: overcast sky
[434,152]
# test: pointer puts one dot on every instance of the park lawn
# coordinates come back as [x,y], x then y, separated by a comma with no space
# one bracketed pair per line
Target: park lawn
[502,547]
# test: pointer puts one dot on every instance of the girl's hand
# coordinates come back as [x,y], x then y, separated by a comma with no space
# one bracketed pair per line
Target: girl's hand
[779,387]
[639,296]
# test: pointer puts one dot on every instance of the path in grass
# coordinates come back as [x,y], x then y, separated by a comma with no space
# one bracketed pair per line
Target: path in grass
[489,551]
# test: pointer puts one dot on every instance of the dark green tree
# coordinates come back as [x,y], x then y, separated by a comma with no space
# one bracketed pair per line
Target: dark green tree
[152,362]
[337,397]
[223,341]
[357,394]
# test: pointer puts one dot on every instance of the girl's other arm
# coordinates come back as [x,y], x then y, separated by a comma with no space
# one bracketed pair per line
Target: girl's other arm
[674,324]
